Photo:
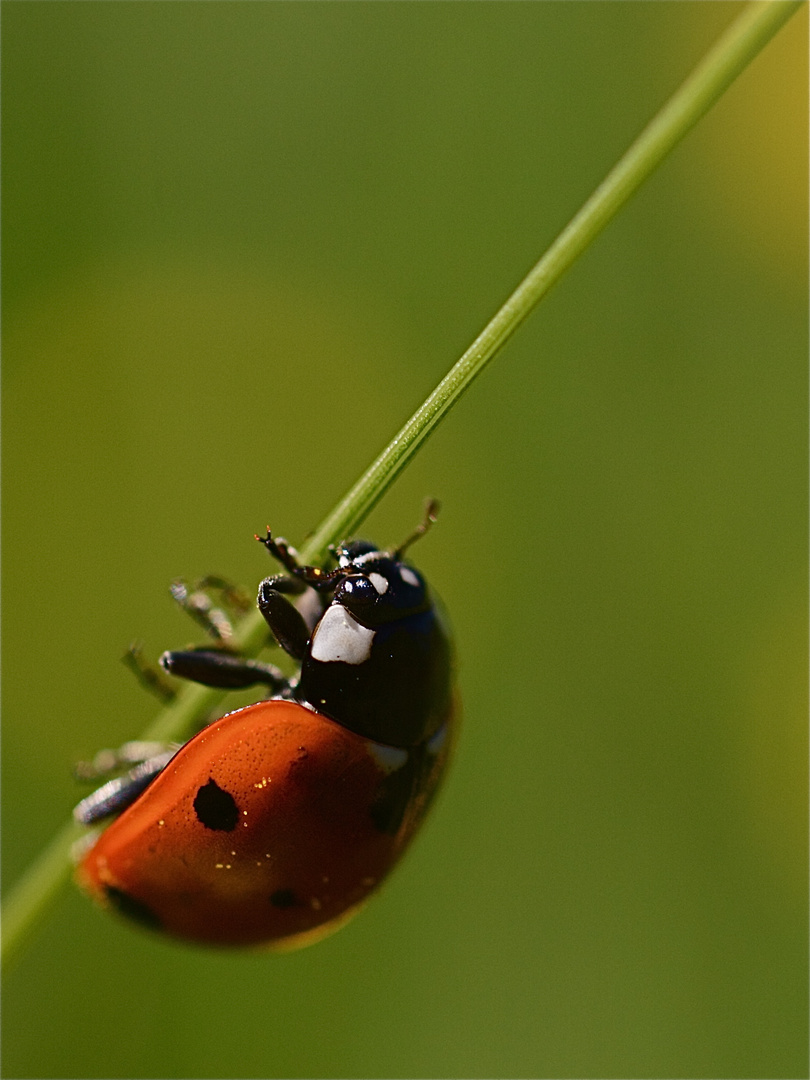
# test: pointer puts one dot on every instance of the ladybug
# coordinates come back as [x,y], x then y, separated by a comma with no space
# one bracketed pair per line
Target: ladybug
[274,824]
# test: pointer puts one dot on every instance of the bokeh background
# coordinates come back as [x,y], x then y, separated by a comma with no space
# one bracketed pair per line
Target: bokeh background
[242,242]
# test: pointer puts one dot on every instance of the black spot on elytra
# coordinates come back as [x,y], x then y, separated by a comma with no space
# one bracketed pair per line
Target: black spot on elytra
[284,898]
[215,808]
[132,908]
[395,792]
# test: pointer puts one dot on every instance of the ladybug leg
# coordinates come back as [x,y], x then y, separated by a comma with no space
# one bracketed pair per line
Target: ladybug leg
[234,596]
[201,608]
[312,576]
[281,551]
[288,625]
[148,675]
[117,794]
[223,670]
[194,600]
[108,762]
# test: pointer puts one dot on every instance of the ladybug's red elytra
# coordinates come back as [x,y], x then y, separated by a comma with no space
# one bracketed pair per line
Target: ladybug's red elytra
[274,824]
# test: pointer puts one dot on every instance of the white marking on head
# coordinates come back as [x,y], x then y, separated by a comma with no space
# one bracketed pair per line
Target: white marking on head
[379,582]
[408,576]
[339,636]
[368,557]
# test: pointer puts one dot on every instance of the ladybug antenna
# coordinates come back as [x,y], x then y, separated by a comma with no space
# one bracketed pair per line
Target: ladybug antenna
[431,513]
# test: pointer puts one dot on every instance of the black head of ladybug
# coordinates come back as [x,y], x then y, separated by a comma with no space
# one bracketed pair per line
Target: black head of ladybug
[378,588]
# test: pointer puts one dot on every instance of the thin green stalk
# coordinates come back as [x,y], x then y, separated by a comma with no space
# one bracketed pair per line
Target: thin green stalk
[746,37]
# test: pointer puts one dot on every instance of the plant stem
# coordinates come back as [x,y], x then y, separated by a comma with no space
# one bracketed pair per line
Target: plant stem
[36,890]
[735,49]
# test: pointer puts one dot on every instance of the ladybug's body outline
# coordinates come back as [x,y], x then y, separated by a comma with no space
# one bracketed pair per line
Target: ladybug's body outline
[275,823]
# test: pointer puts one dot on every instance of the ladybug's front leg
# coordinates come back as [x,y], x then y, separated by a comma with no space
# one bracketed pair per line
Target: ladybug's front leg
[292,624]
[287,624]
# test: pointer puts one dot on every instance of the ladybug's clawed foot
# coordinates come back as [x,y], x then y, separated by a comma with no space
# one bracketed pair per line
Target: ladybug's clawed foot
[281,551]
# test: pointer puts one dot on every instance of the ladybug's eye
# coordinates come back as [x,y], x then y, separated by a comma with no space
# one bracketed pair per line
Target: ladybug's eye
[361,591]
[381,590]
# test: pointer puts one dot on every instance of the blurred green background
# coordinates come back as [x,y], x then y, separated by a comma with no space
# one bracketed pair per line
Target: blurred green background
[242,242]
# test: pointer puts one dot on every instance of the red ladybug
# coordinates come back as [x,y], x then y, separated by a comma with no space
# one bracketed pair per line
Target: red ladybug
[275,823]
